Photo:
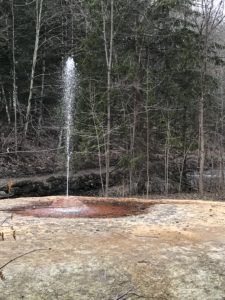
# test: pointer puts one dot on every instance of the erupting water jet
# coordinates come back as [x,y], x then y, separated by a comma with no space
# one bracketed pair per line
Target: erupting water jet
[69,82]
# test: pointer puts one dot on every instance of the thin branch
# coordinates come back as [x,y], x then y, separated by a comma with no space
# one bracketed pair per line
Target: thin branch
[5,220]
[130,292]
[32,151]
[22,255]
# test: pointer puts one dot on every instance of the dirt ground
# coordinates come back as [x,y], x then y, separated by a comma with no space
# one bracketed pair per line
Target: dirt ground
[176,250]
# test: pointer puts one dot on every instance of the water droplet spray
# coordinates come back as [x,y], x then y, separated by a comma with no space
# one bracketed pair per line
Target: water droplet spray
[69,82]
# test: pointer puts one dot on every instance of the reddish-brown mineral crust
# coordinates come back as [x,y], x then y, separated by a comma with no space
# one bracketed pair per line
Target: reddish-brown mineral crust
[70,207]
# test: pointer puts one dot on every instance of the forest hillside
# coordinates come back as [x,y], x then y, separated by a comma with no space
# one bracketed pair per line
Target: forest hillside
[149,102]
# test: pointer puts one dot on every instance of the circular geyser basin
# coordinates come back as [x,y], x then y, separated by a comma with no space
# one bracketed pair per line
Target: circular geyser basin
[64,207]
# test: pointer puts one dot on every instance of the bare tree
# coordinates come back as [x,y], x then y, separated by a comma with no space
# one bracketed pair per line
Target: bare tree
[39,5]
[98,137]
[147,137]
[40,108]
[6,105]
[167,154]
[211,17]
[108,56]
[14,76]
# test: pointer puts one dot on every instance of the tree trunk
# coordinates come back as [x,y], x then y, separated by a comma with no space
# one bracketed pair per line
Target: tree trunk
[167,153]
[94,117]
[201,146]
[39,4]
[14,78]
[205,34]
[147,136]
[108,56]
[221,141]
[6,105]
[132,143]
[182,170]
[40,109]
[147,153]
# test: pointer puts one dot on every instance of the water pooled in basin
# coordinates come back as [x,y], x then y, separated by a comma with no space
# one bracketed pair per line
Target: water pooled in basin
[71,208]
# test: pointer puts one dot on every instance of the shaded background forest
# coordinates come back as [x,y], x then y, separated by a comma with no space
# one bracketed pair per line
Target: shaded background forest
[149,91]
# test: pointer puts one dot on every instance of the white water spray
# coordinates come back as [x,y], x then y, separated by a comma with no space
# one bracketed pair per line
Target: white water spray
[69,80]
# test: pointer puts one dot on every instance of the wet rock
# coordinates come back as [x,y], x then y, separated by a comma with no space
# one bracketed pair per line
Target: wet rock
[3,194]
[80,184]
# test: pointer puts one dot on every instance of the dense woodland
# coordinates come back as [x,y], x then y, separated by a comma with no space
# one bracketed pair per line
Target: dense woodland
[149,89]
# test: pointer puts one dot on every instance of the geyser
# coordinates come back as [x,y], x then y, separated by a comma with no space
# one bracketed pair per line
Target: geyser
[69,82]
